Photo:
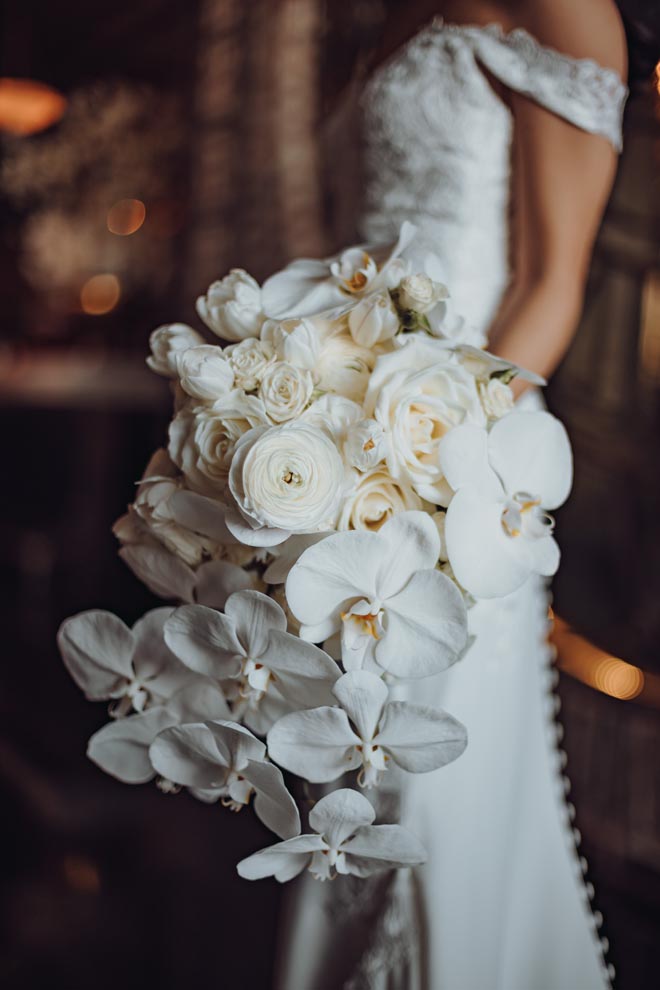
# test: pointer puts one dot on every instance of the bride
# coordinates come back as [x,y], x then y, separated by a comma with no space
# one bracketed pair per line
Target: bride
[494,127]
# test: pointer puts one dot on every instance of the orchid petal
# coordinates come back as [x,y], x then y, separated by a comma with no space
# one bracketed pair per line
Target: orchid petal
[200,514]
[381,847]
[426,627]
[280,859]
[251,536]
[198,701]
[318,745]
[273,804]
[187,754]
[160,570]
[235,743]
[288,553]
[362,696]
[97,649]
[412,544]
[217,580]
[253,616]
[121,747]
[463,454]
[420,739]
[153,660]
[204,640]
[531,452]
[337,815]
[544,556]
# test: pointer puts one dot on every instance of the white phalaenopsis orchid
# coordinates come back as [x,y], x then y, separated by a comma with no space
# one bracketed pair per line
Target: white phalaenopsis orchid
[497,529]
[367,731]
[132,667]
[346,841]
[121,748]
[273,672]
[308,286]
[223,760]
[382,591]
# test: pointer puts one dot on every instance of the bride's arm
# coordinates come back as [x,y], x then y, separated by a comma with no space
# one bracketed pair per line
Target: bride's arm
[562,177]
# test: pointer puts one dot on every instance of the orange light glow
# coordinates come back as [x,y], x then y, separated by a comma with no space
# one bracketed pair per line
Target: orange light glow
[27,107]
[100,294]
[657,78]
[81,874]
[126,216]
[581,659]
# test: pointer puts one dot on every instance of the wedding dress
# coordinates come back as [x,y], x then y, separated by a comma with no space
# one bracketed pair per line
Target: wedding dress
[502,903]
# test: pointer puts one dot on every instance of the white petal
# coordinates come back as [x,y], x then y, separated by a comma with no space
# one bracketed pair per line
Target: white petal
[303,288]
[153,660]
[426,627]
[411,544]
[273,804]
[286,653]
[97,649]
[160,570]
[199,700]
[121,748]
[253,536]
[280,859]
[342,567]
[235,743]
[545,556]
[486,561]
[531,453]
[463,454]
[217,580]
[379,847]
[287,554]
[420,738]
[337,815]
[253,616]
[200,514]
[325,630]
[317,745]
[362,696]
[204,640]
[187,754]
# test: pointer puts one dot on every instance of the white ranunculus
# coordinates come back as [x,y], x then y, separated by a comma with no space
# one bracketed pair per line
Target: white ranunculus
[497,529]
[202,438]
[373,320]
[204,373]
[367,731]
[375,499]
[308,286]
[232,307]
[496,398]
[382,592]
[295,341]
[417,400]
[284,479]
[346,841]
[420,293]
[365,445]
[167,344]
[249,359]
[285,390]
[344,367]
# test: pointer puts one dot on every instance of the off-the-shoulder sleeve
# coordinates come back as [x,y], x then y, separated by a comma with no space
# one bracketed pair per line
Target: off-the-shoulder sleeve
[581,91]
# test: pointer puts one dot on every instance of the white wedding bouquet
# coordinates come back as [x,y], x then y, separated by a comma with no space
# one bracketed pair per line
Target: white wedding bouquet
[344,479]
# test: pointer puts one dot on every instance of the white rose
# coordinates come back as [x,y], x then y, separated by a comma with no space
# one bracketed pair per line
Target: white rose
[417,400]
[365,445]
[420,293]
[204,373]
[169,342]
[232,307]
[286,479]
[373,319]
[202,438]
[496,398]
[249,360]
[344,367]
[376,499]
[295,341]
[285,391]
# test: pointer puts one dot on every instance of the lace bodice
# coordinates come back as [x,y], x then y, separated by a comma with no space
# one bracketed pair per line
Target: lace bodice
[437,140]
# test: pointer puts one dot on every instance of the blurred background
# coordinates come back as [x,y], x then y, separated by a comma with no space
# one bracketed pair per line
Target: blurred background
[146,148]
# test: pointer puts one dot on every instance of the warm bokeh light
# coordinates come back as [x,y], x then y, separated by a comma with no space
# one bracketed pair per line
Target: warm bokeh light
[27,106]
[581,659]
[100,294]
[81,874]
[657,78]
[126,216]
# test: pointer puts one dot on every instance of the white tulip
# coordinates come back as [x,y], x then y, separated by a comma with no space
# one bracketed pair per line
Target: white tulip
[167,344]
[232,307]
[271,671]
[295,341]
[365,445]
[344,367]
[249,359]
[373,320]
[394,610]
[132,667]
[375,499]
[285,391]
[497,531]
[284,479]
[346,841]
[223,760]
[367,731]
[204,372]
